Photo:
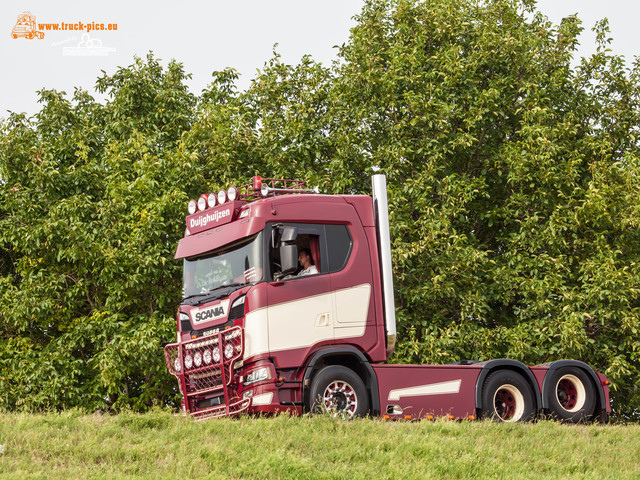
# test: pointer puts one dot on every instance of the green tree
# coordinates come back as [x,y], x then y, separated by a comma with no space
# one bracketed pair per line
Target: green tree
[92,208]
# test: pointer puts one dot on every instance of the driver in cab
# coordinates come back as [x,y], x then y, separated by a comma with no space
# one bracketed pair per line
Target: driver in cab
[304,258]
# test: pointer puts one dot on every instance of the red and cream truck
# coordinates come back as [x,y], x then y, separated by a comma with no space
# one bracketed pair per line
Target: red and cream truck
[256,336]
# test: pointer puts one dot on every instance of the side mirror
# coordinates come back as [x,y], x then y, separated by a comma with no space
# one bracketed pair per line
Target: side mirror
[281,235]
[289,258]
[289,234]
[284,239]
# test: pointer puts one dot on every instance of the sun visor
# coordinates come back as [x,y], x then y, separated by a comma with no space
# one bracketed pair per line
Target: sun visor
[204,242]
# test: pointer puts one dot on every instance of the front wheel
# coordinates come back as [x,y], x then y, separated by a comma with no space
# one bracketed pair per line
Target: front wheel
[570,396]
[506,396]
[338,391]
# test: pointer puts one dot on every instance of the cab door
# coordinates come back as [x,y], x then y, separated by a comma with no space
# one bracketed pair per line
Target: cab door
[300,308]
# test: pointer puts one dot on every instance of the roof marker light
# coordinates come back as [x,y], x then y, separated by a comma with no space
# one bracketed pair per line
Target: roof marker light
[222,197]
[257,183]
[193,205]
[211,200]
[202,202]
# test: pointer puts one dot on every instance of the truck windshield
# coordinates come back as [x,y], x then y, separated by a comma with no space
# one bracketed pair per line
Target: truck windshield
[236,264]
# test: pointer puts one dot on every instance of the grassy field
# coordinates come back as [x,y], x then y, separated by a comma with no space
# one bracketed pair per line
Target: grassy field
[161,445]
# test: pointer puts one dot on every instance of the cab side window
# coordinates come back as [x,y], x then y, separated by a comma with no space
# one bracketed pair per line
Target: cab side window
[321,249]
[339,245]
[310,246]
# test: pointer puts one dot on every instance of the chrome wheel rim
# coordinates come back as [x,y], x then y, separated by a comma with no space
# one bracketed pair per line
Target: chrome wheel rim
[339,398]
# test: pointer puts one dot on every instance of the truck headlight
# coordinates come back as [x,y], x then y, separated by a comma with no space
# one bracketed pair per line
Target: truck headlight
[258,375]
[177,365]
[188,362]
[197,359]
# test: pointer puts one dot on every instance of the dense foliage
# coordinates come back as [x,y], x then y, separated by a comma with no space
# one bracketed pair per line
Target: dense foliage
[513,171]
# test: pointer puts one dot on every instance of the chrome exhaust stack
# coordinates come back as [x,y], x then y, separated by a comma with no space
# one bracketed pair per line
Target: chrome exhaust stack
[381,215]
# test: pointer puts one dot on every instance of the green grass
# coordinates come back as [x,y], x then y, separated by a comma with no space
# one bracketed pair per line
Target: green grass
[161,445]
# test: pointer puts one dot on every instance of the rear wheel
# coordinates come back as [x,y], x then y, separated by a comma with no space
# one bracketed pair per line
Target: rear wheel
[506,396]
[339,391]
[570,396]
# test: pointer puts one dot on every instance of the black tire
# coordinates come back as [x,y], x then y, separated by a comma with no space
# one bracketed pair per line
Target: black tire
[507,397]
[570,395]
[338,391]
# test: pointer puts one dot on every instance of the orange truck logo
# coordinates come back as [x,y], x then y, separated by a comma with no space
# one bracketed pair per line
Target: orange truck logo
[26,27]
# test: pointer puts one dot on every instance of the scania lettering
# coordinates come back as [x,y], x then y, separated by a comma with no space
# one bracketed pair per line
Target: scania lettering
[213,312]
[258,334]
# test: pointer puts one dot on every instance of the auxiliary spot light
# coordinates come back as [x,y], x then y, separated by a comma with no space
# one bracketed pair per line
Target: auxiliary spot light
[197,359]
[207,356]
[188,361]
